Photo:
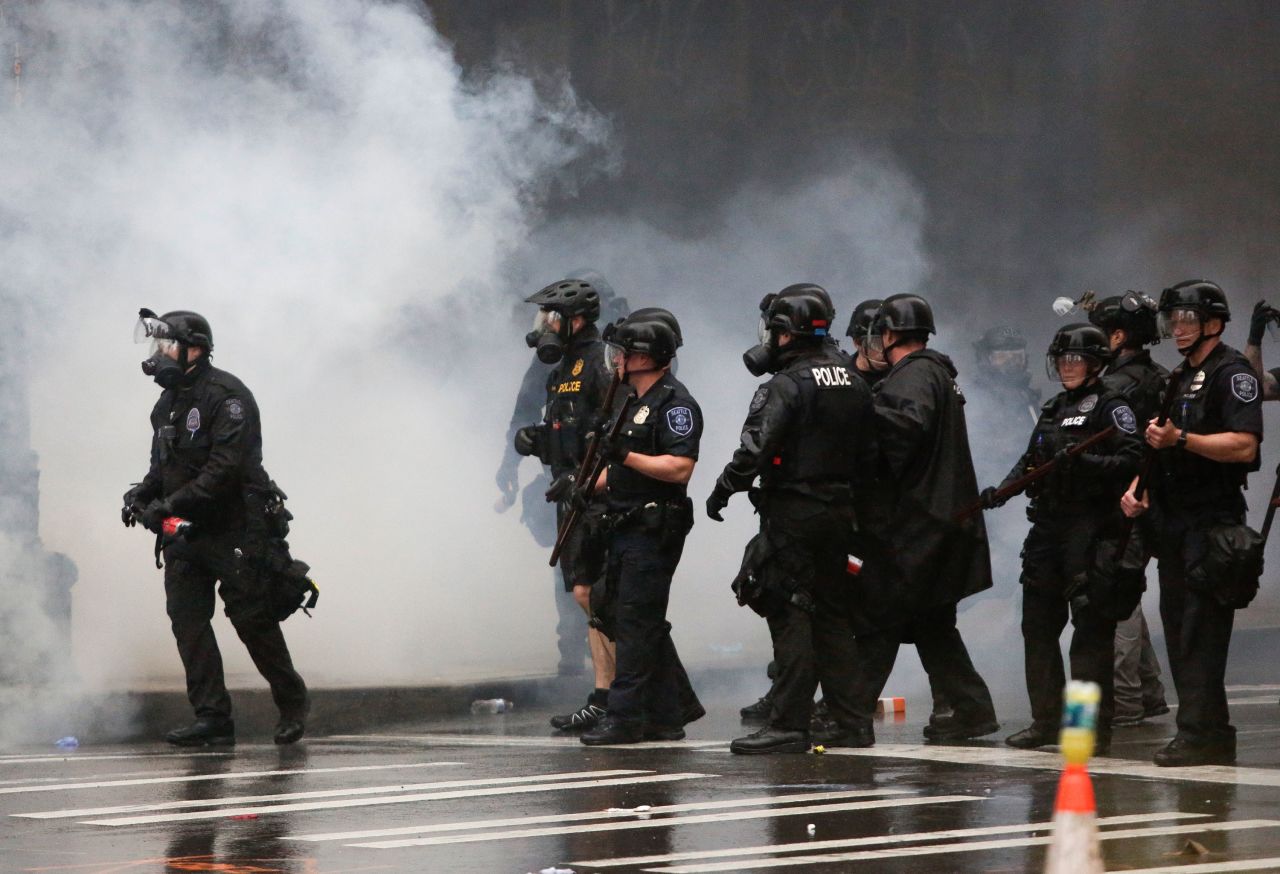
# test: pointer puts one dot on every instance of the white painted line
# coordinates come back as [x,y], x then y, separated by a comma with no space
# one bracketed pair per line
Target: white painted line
[1271,864]
[509,788]
[1011,758]
[942,849]
[470,740]
[78,757]
[772,813]
[234,775]
[872,840]
[319,793]
[1246,702]
[597,814]
[1261,687]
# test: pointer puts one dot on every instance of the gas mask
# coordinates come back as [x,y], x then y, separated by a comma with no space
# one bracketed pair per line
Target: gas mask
[159,365]
[546,337]
[166,371]
[762,358]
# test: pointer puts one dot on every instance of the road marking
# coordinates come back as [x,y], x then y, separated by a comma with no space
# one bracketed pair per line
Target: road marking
[509,787]
[1245,702]
[872,840]
[597,814]
[1261,687]
[76,757]
[236,775]
[318,793]
[772,813]
[1271,864]
[942,849]
[1011,758]
[471,740]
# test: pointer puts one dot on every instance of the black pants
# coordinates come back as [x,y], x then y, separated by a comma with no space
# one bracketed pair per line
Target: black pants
[1055,553]
[192,570]
[817,647]
[943,655]
[650,686]
[1197,629]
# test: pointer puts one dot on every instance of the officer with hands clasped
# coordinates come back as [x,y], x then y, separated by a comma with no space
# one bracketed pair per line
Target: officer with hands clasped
[647,516]
[808,439]
[1065,574]
[1129,321]
[206,467]
[1208,560]
[576,385]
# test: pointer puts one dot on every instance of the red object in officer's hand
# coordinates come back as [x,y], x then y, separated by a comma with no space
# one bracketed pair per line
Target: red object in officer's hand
[175,526]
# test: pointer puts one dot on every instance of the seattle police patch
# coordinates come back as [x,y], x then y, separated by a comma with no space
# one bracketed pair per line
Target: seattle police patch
[680,420]
[1244,386]
[1125,420]
[1088,403]
[193,421]
[759,399]
[235,410]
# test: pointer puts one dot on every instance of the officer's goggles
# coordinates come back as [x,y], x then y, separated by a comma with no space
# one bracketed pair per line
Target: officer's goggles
[1185,316]
[1053,363]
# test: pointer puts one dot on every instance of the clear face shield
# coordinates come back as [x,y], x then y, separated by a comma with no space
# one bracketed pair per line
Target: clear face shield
[1009,362]
[1071,368]
[615,357]
[149,329]
[1183,321]
[872,346]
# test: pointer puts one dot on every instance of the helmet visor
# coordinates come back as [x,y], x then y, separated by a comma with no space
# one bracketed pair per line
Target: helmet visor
[1073,364]
[1008,361]
[614,357]
[149,328]
[872,343]
[1186,317]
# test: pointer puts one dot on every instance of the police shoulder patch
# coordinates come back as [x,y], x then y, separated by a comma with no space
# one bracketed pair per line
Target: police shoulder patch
[235,410]
[680,420]
[1245,387]
[759,399]
[1088,403]
[1124,418]
[193,420]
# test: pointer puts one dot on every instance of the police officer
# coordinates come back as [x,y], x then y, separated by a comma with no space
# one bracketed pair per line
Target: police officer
[535,513]
[808,439]
[1071,510]
[999,396]
[575,392]
[1206,450]
[206,467]
[648,515]
[1129,321]
[1263,315]
[859,330]
[922,561]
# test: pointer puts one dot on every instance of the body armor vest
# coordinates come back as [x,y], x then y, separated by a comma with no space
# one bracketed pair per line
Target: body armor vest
[817,444]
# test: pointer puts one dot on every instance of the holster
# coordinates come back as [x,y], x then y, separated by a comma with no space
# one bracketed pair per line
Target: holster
[285,580]
[1231,566]
[771,577]
[1114,584]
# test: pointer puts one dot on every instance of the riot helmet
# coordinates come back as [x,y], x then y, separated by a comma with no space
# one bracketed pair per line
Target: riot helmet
[1077,344]
[1132,312]
[1193,302]
[804,311]
[176,332]
[1001,351]
[653,331]
[863,319]
[907,315]
[558,304]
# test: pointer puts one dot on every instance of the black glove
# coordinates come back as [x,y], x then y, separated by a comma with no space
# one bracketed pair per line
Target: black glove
[613,450]
[1063,461]
[153,516]
[528,440]
[989,499]
[717,502]
[1258,321]
[562,488]
[133,506]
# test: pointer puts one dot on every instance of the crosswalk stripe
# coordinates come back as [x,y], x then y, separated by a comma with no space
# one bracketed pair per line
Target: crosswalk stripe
[871,840]
[71,758]
[233,775]
[942,849]
[319,793]
[471,740]
[1269,864]
[510,789]
[596,814]
[771,813]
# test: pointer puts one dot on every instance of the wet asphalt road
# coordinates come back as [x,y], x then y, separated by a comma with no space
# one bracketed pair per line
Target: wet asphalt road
[493,794]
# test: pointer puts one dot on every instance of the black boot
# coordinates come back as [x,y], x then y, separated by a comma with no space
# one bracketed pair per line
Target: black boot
[955,728]
[1033,736]
[1181,752]
[289,731]
[586,717]
[757,712]
[611,731]
[771,740]
[205,731]
[861,737]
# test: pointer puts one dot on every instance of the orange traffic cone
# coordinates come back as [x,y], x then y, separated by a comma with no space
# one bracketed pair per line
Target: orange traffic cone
[1075,848]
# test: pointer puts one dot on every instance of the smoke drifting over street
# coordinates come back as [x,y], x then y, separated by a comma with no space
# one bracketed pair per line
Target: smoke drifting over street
[357,203]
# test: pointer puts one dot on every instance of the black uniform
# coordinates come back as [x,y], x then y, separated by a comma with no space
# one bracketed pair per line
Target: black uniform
[206,463]
[648,520]
[921,561]
[1190,496]
[809,438]
[1072,509]
[1140,380]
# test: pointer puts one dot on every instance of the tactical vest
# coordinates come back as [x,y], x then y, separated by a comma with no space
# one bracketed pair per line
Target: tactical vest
[817,444]
[575,391]
[627,487]
[1193,479]
[1068,418]
[1142,382]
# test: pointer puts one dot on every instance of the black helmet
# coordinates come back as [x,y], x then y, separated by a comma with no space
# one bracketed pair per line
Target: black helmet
[1201,295]
[181,325]
[862,321]
[1001,338]
[803,310]
[907,314]
[1132,312]
[569,298]
[1078,339]
[652,331]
